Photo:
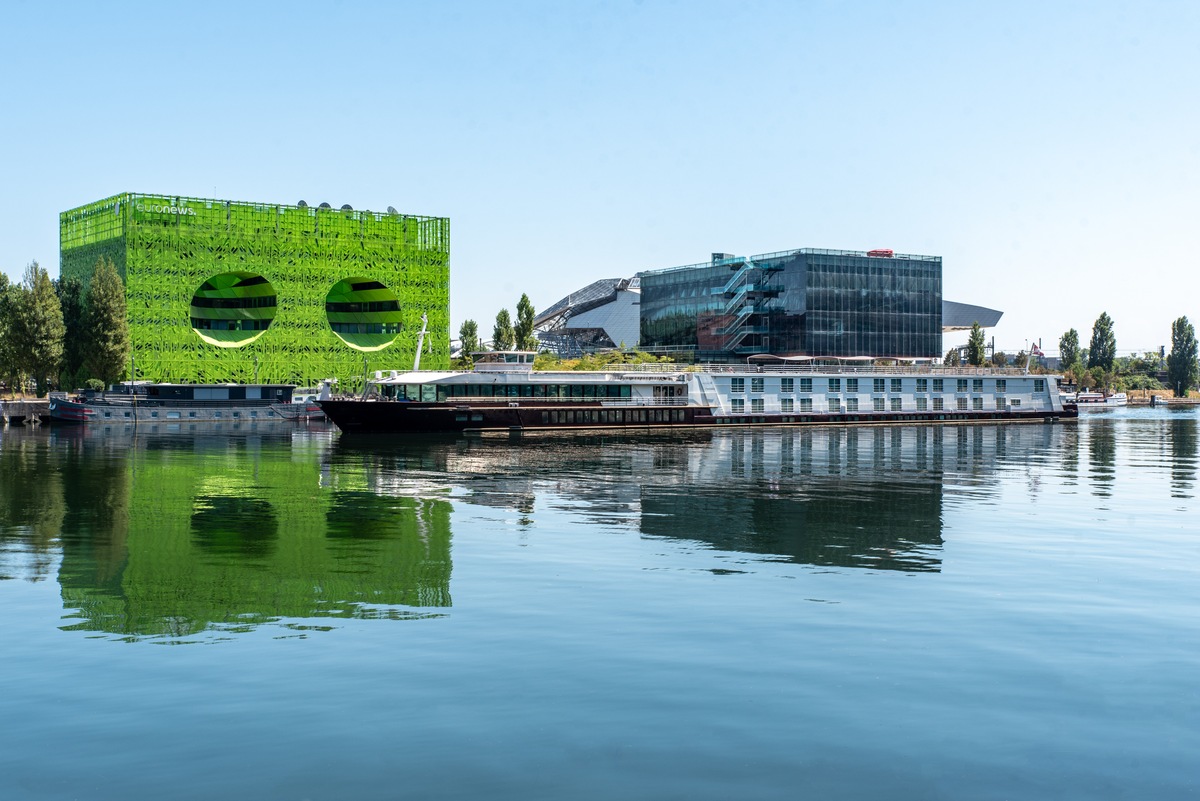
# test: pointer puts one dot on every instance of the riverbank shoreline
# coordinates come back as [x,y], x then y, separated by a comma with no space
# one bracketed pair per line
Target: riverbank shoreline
[1163,400]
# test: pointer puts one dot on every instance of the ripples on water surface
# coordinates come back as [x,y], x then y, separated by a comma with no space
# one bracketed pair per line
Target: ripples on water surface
[962,612]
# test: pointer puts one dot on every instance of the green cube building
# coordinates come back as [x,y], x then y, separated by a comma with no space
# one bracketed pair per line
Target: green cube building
[224,291]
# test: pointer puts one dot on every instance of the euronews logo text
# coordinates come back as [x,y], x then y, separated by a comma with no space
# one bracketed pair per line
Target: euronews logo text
[184,210]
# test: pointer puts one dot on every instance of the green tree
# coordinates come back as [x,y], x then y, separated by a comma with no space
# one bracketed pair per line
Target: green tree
[523,330]
[106,326]
[468,333]
[502,333]
[1183,370]
[952,358]
[1000,359]
[976,348]
[9,364]
[1068,349]
[1140,382]
[1103,350]
[1146,363]
[38,329]
[71,301]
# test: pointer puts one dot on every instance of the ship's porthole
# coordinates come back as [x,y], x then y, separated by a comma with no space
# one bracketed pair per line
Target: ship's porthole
[233,309]
[364,313]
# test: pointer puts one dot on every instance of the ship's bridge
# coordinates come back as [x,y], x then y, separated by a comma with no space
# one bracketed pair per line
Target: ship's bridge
[504,361]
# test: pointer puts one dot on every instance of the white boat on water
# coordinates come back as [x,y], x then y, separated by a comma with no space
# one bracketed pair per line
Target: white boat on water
[1098,400]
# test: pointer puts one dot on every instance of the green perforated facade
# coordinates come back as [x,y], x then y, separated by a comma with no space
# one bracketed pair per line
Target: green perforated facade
[220,290]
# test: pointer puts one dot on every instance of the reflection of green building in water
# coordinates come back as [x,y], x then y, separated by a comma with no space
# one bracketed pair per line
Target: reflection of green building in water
[219,290]
[238,530]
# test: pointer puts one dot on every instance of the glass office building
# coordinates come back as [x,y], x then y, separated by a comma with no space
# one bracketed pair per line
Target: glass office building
[806,302]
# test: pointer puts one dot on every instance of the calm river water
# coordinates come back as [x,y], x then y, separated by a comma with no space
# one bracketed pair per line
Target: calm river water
[992,612]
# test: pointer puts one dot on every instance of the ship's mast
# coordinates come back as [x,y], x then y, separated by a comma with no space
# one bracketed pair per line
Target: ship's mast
[420,342]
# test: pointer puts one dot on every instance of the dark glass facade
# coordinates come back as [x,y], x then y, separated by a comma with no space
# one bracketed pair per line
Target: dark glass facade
[807,302]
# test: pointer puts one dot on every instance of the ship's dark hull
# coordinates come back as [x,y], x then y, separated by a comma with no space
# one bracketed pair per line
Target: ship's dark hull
[151,411]
[443,418]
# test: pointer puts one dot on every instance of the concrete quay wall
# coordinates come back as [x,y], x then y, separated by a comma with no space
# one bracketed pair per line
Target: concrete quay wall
[22,412]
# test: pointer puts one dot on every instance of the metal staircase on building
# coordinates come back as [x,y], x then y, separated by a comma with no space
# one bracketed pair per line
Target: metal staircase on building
[742,268]
[746,295]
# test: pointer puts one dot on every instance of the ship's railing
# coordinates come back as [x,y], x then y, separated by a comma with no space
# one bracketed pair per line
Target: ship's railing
[644,402]
[176,403]
[792,367]
[616,403]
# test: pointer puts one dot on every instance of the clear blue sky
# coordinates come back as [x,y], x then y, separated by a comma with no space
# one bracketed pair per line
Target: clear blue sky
[1048,151]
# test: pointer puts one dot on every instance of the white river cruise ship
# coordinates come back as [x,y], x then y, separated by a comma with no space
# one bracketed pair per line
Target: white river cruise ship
[504,393]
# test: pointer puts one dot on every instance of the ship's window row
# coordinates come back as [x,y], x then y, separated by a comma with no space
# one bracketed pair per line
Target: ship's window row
[441,392]
[878,385]
[836,403]
[608,416]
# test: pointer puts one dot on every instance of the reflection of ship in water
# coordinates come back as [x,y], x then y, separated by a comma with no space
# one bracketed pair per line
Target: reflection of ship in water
[868,498]
[891,525]
[177,533]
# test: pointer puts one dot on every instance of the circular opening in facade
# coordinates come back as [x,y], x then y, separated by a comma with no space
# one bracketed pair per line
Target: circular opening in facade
[364,313]
[233,309]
